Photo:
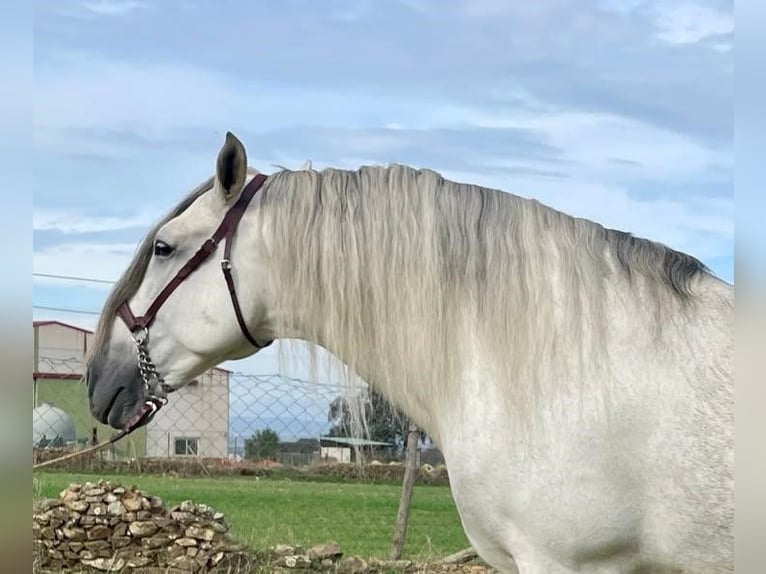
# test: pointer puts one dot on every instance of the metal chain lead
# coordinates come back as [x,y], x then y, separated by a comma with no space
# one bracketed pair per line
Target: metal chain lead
[145,365]
[147,368]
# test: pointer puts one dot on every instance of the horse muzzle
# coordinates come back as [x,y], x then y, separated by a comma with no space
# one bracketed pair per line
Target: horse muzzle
[119,398]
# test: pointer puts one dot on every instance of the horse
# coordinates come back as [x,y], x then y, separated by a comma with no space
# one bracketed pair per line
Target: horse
[577,379]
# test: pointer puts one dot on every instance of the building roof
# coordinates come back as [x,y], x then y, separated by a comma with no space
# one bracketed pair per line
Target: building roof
[61,324]
[87,332]
[349,441]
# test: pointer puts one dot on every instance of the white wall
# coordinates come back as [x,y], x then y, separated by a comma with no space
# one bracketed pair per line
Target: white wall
[339,453]
[60,349]
[195,411]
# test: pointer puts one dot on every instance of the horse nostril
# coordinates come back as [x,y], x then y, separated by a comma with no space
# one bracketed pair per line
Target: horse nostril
[103,415]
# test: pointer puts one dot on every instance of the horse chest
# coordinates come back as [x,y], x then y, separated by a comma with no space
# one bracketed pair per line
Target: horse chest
[548,501]
[543,511]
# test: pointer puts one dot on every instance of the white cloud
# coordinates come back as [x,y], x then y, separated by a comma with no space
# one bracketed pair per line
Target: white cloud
[621,6]
[689,22]
[519,12]
[485,8]
[77,92]
[350,12]
[600,145]
[416,5]
[112,7]
[67,221]
[79,96]
[722,47]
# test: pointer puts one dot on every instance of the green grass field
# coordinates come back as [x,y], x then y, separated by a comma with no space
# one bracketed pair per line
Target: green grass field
[359,517]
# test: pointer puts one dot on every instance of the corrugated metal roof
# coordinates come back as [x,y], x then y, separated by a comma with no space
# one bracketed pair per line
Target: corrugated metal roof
[45,323]
[354,441]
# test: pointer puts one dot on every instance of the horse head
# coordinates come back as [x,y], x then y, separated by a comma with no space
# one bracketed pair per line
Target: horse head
[182,305]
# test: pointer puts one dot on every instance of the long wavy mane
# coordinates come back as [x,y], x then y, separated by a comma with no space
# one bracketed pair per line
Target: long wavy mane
[397,269]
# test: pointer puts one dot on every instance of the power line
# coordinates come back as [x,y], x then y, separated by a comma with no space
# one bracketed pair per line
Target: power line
[69,278]
[63,310]
[73,278]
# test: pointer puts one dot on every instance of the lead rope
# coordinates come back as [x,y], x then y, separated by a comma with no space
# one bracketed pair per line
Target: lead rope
[117,436]
[150,407]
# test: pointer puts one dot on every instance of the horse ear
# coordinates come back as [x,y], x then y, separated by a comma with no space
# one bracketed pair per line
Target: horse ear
[231,167]
[306,166]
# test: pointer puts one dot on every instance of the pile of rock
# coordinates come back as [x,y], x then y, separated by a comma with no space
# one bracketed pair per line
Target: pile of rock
[109,528]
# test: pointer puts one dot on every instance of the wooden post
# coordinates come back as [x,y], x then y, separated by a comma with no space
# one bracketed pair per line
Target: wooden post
[410,473]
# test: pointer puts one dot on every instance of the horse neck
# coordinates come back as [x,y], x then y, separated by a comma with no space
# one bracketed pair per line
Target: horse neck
[538,282]
[395,375]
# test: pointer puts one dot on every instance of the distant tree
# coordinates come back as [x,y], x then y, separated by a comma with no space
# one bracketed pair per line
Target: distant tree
[384,422]
[262,445]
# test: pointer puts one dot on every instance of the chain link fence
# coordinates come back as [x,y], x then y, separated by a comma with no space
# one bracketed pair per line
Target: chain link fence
[229,416]
[322,483]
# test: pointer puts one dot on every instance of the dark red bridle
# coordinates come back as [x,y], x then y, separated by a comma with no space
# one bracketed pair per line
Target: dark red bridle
[225,231]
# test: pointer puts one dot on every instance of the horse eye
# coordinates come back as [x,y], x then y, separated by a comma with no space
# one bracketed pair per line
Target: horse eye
[162,249]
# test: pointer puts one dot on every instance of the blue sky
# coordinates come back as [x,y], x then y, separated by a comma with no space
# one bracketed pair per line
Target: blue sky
[620,111]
